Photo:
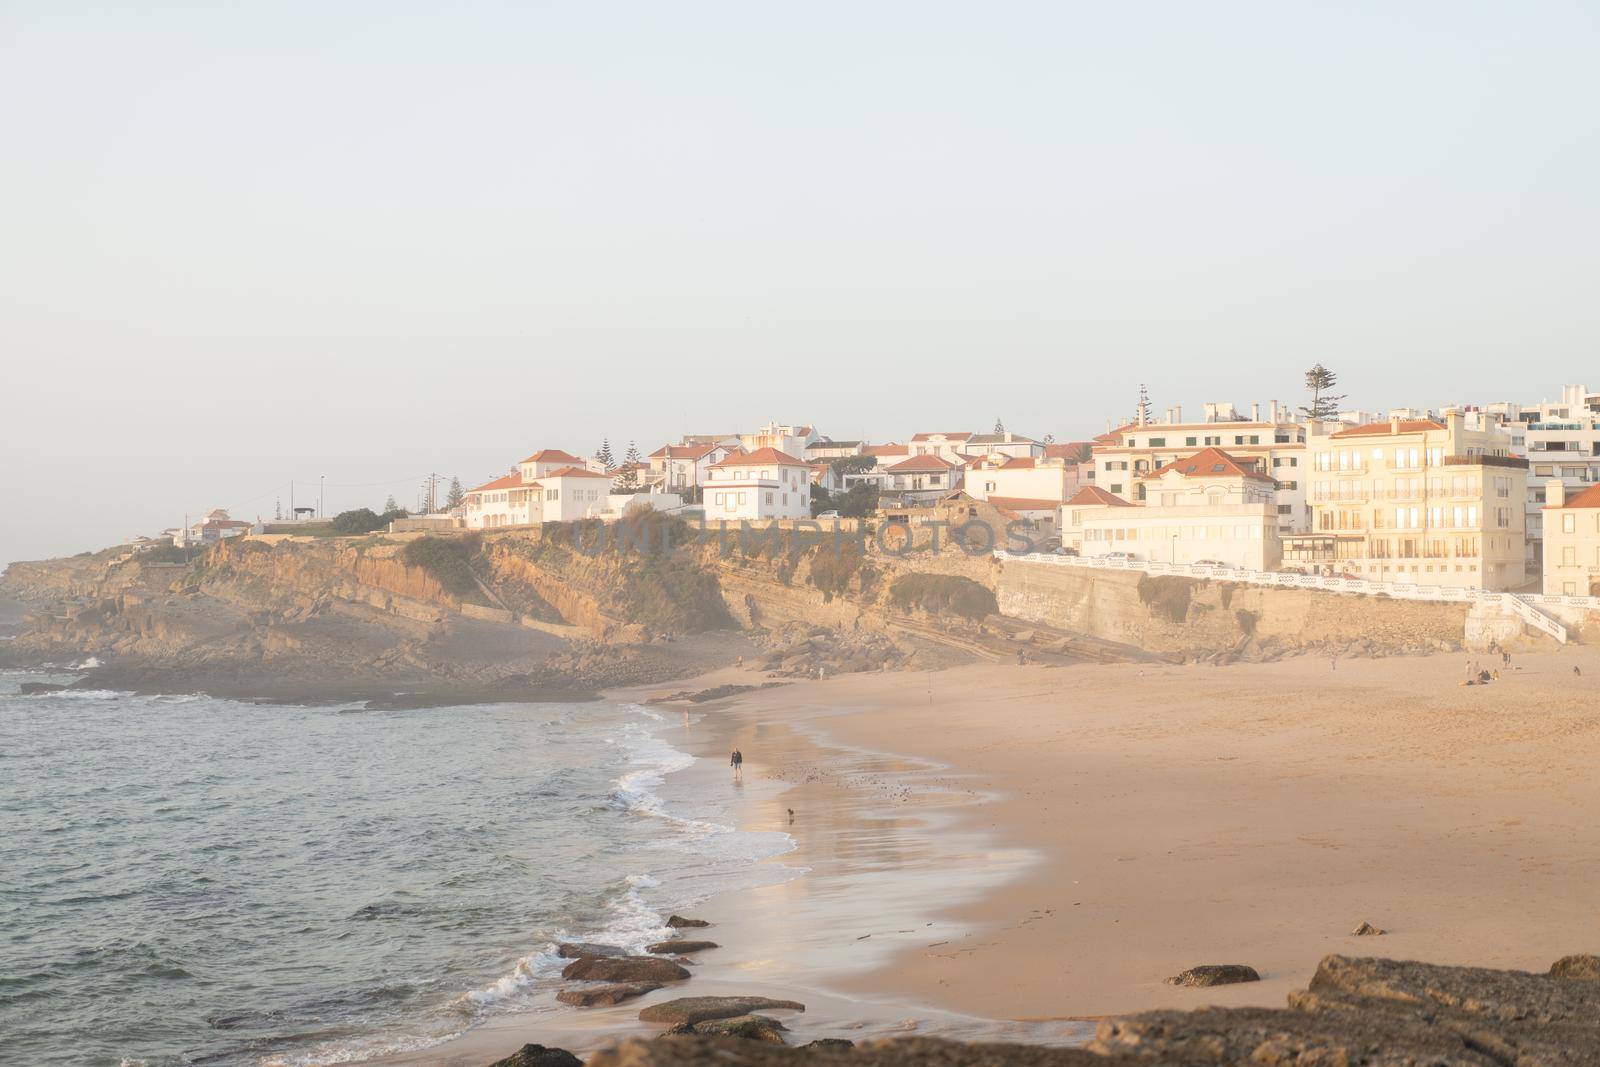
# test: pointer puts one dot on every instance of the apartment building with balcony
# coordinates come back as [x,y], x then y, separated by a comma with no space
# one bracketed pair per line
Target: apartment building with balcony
[1561,440]
[1124,457]
[1425,501]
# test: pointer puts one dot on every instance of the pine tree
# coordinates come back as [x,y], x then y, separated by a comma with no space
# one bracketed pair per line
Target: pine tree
[1324,404]
[607,460]
[633,454]
[1143,411]
[456,496]
[389,505]
[999,427]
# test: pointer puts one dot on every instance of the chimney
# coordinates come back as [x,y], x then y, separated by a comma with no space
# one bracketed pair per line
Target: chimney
[1177,410]
[1255,412]
[1555,493]
[1394,423]
[1274,413]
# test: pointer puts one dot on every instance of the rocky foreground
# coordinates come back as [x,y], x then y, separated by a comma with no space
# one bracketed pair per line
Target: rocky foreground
[1355,1013]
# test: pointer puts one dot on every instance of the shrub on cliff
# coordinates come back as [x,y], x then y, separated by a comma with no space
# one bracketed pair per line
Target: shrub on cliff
[359,521]
[939,594]
[832,567]
[447,560]
[1167,595]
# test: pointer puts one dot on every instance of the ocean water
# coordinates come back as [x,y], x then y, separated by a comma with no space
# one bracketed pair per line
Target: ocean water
[191,880]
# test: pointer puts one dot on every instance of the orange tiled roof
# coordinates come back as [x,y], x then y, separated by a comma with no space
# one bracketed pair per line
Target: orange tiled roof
[760,456]
[923,463]
[552,455]
[1374,429]
[575,472]
[960,436]
[1093,494]
[1211,462]
[1589,498]
[505,481]
[888,449]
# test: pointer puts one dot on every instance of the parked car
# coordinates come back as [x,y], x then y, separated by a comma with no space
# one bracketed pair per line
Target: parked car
[827,514]
[1066,550]
[1209,563]
[1127,556]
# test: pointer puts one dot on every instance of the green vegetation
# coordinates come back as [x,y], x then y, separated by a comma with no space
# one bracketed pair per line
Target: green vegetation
[857,502]
[1166,595]
[359,521]
[938,594]
[165,553]
[448,560]
[1320,382]
[832,567]
[1247,621]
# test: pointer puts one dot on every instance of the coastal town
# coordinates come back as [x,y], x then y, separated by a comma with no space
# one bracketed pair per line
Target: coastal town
[1498,497]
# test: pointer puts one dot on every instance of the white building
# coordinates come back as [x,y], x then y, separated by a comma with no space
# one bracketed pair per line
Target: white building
[1022,478]
[1572,541]
[919,479]
[1124,457]
[1561,440]
[1010,445]
[1210,507]
[679,468]
[759,485]
[824,448]
[790,440]
[951,446]
[548,486]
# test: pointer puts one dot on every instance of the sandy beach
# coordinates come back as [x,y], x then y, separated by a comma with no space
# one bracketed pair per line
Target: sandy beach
[1009,852]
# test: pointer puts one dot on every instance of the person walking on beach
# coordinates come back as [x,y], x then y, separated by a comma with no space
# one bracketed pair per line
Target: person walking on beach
[736,761]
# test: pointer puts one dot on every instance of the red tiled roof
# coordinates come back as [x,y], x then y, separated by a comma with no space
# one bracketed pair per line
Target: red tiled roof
[1093,494]
[1374,429]
[552,455]
[1066,451]
[574,472]
[505,481]
[760,456]
[1020,503]
[1211,463]
[1112,437]
[1589,498]
[923,463]
[1018,463]
[961,436]
[889,449]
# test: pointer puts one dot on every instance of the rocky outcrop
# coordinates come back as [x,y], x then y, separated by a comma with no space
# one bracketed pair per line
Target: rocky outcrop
[625,969]
[578,950]
[678,922]
[605,995]
[679,948]
[761,1028]
[691,1010]
[1211,974]
[903,1052]
[800,651]
[1385,1013]
[539,1056]
[1585,968]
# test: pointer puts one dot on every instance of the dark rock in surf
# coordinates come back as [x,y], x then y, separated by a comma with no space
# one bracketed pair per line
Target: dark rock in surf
[692,1010]
[580,950]
[625,969]
[678,922]
[598,996]
[679,948]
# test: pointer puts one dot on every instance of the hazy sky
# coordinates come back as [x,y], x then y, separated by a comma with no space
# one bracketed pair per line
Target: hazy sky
[243,243]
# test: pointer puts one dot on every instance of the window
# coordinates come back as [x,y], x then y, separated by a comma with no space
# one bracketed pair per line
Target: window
[1569,524]
[1158,442]
[1190,440]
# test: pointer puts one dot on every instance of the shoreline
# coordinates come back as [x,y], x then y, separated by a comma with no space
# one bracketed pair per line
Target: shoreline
[870,830]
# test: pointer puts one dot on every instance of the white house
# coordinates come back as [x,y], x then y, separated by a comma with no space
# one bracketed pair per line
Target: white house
[951,446]
[213,527]
[1011,445]
[677,468]
[1022,478]
[922,479]
[764,484]
[1207,507]
[573,493]
[824,448]
[790,440]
